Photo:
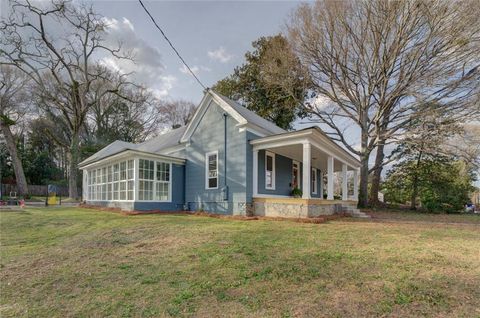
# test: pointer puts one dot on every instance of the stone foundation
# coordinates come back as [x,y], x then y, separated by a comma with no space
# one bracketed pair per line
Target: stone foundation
[294,208]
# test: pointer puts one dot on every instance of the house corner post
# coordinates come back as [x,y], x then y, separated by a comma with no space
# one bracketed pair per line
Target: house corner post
[344,183]
[330,163]
[307,168]
[255,173]
[355,184]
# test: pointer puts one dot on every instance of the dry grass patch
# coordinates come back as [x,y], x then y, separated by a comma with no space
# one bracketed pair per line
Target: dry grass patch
[74,262]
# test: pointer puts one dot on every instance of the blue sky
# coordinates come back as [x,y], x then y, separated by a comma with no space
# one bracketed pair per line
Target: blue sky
[211,36]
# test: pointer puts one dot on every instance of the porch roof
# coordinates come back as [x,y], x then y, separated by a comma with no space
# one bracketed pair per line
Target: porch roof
[313,135]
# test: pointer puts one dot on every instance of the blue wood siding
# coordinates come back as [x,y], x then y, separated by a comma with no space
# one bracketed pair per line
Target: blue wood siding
[283,176]
[207,137]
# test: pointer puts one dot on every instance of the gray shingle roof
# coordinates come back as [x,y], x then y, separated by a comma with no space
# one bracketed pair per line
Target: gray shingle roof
[251,117]
[154,145]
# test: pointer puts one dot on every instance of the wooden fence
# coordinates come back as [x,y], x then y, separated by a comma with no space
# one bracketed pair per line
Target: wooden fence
[40,190]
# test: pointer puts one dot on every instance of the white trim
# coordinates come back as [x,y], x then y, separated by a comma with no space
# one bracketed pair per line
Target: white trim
[207,100]
[113,163]
[154,189]
[344,182]
[313,136]
[307,165]
[255,172]
[259,131]
[313,175]
[206,170]
[355,184]
[330,165]
[131,153]
[271,154]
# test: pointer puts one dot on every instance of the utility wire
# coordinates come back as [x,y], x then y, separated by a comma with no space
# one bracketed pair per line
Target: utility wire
[171,45]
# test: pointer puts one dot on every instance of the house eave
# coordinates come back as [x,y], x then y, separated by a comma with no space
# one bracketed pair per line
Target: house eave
[312,135]
[126,153]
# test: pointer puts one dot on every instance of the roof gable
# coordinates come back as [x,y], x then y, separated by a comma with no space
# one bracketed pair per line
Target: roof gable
[242,115]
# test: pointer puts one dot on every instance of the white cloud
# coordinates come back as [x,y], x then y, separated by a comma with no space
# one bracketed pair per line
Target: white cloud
[220,55]
[146,67]
[195,69]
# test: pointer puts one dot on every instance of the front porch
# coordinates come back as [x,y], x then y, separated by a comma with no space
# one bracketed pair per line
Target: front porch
[298,207]
[323,173]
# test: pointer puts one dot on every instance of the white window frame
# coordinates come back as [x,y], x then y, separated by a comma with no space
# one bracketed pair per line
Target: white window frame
[95,195]
[169,198]
[207,178]
[169,182]
[313,177]
[271,154]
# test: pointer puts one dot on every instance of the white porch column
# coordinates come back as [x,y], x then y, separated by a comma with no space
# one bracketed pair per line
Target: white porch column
[307,151]
[355,184]
[344,183]
[321,184]
[330,178]
[255,172]
[85,185]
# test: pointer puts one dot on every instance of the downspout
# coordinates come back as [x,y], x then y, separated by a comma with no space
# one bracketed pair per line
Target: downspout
[225,188]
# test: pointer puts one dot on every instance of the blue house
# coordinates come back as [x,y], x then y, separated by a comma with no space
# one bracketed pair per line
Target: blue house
[227,160]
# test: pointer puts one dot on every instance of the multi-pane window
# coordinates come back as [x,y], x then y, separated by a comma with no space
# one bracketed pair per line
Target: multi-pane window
[211,170]
[117,182]
[146,171]
[313,177]
[162,181]
[269,170]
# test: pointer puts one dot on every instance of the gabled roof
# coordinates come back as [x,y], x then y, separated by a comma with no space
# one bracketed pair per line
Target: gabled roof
[154,145]
[241,114]
[251,117]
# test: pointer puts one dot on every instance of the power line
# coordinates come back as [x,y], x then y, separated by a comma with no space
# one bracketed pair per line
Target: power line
[171,45]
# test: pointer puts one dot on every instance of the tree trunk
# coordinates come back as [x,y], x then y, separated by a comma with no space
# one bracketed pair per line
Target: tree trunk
[413,199]
[363,190]
[377,175]
[365,154]
[73,167]
[22,187]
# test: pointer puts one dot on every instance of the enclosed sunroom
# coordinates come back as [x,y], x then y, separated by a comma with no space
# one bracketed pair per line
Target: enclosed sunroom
[134,180]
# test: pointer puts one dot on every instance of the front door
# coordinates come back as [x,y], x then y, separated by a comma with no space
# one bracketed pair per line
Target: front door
[295,175]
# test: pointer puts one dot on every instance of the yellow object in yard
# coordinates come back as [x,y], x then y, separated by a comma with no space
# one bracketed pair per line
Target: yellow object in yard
[52,200]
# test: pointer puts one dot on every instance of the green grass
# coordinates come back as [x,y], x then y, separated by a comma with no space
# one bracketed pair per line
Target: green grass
[62,262]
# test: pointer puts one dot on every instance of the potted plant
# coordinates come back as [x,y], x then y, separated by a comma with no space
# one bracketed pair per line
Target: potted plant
[296,192]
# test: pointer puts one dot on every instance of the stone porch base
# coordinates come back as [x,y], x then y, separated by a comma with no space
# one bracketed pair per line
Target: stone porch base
[296,208]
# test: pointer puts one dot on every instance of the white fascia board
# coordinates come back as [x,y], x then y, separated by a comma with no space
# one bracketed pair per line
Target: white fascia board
[196,118]
[226,107]
[354,162]
[278,138]
[259,131]
[309,135]
[202,108]
[133,153]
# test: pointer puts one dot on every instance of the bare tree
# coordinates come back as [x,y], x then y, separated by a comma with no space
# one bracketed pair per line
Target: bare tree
[131,115]
[375,61]
[176,113]
[57,46]
[14,98]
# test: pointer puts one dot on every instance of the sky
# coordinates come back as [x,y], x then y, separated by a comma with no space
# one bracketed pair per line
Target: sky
[211,36]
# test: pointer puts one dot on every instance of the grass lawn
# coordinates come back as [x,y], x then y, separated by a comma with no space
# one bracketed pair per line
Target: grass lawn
[63,262]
